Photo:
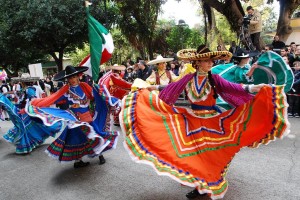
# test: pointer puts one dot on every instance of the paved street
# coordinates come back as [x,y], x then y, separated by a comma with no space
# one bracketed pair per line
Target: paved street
[270,172]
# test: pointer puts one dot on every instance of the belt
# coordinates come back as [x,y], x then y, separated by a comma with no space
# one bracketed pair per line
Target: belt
[199,107]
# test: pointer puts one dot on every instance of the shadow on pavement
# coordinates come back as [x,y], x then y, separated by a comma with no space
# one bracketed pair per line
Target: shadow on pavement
[71,176]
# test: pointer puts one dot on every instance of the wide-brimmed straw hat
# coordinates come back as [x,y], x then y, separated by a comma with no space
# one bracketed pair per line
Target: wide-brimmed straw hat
[159,59]
[203,53]
[117,67]
[69,71]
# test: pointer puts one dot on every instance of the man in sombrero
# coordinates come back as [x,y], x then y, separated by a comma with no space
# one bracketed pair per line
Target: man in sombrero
[116,86]
[81,128]
[195,145]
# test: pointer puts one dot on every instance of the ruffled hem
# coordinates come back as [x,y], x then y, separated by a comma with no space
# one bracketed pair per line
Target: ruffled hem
[184,153]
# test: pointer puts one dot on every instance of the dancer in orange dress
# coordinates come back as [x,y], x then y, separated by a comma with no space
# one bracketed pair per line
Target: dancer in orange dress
[195,146]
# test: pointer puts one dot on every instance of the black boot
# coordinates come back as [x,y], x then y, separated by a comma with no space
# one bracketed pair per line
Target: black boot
[194,194]
[81,164]
[101,160]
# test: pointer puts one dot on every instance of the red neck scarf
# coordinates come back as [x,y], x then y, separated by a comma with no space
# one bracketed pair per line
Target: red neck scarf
[48,101]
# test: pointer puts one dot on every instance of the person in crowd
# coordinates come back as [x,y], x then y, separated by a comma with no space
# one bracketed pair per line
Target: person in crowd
[293,48]
[130,75]
[233,47]
[284,53]
[268,47]
[277,44]
[39,93]
[218,62]
[255,26]
[296,55]
[294,93]
[288,49]
[49,82]
[286,59]
[195,145]
[144,70]
[17,92]
[175,67]
[3,90]
[82,127]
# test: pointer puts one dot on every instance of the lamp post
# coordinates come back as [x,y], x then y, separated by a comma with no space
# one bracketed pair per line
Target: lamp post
[181,24]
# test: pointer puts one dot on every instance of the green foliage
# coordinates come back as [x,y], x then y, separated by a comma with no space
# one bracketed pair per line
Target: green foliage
[36,28]
[79,54]
[178,37]
[225,32]
[15,52]
[123,50]
[138,21]
[196,37]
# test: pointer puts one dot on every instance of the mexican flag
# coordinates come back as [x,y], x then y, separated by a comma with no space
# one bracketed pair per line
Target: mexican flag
[101,46]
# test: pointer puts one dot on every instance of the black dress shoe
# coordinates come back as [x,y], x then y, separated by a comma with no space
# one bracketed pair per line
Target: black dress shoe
[194,194]
[81,164]
[101,160]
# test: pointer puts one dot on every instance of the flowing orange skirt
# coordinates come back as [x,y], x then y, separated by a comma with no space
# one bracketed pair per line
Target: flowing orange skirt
[197,151]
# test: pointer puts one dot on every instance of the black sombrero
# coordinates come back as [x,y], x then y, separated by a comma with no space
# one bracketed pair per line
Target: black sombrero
[243,53]
[69,71]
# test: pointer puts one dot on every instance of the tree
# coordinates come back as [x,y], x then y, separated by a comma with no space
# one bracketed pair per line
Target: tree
[138,22]
[160,38]
[178,37]
[234,12]
[53,27]
[15,53]
[287,8]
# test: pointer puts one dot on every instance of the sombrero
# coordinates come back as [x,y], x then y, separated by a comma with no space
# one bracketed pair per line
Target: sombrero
[25,77]
[117,67]
[203,53]
[69,71]
[159,59]
[243,53]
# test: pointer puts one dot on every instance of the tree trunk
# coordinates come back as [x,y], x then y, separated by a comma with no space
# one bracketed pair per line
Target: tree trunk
[150,50]
[214,37]
[287,8]
[58,60]
[231,9]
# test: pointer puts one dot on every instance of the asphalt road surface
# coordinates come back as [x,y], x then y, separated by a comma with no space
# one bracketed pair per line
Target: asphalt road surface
[270,172]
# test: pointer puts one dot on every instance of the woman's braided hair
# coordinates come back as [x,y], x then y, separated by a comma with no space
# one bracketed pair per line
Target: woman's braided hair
[212,84]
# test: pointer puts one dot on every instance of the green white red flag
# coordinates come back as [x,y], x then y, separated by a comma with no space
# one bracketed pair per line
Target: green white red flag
[101,46]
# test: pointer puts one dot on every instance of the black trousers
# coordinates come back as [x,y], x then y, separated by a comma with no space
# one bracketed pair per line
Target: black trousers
[294,104]
[255,37]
